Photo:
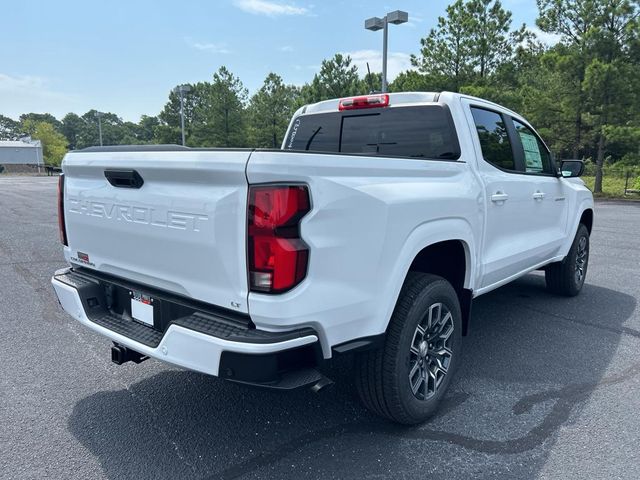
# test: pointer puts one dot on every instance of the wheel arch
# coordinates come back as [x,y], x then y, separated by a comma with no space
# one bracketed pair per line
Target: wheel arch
[585,214]
[587,219]
[446,248]
[448,259]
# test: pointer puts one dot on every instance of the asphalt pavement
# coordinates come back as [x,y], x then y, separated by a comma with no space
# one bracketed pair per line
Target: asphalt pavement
[549,386]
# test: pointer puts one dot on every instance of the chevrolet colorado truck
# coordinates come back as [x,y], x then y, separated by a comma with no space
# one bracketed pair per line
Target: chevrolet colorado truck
[370,232]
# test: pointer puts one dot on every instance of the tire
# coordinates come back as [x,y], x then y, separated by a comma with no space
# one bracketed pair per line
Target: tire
[383,375]
[567,277]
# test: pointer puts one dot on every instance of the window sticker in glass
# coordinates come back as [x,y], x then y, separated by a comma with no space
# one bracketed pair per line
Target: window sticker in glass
[536,156]
[532,155]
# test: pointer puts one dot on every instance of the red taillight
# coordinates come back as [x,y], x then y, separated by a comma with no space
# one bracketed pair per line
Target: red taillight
[278,257]
[366,101]
[61,225]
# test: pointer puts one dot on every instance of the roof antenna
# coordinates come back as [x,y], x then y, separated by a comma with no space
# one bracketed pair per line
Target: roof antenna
[369,79]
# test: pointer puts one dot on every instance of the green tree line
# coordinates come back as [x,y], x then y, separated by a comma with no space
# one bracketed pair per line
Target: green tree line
[582,93]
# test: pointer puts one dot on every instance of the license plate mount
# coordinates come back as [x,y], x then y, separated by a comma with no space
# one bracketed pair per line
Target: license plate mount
[142,308]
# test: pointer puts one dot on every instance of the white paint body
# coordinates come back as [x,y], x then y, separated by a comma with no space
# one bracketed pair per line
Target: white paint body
[370,217]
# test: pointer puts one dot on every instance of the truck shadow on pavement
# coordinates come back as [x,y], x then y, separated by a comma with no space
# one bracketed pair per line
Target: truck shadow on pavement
[531,361]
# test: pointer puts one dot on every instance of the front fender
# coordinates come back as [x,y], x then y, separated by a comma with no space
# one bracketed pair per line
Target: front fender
[583,205]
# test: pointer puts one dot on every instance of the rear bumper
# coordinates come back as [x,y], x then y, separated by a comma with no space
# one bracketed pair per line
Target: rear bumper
[262,358]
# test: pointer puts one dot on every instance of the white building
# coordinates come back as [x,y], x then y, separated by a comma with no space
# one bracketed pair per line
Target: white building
[21,152]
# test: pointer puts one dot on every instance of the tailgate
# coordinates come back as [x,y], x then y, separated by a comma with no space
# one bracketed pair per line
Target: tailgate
[183,230]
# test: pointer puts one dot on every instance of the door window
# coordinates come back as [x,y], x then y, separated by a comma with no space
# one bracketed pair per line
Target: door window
[537,158]
[494,139]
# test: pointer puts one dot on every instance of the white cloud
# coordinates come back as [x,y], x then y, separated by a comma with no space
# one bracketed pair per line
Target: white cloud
[27,93]
[286,48]
[314,68]
[396,62]
[26,82]
[269,8]
[414,20]
[548,39]
[207,46]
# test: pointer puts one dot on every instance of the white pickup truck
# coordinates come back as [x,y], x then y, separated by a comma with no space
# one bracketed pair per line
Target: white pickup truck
[369,232]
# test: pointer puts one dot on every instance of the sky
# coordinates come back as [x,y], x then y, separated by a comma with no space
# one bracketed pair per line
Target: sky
[125,56]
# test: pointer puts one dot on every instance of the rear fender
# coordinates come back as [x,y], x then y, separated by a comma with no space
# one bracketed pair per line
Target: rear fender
[423,236]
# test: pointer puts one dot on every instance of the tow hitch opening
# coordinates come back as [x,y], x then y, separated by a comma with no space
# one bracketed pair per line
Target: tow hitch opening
[120,355]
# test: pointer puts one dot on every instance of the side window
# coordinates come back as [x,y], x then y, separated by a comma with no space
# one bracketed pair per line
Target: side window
[537,158]
[494,140]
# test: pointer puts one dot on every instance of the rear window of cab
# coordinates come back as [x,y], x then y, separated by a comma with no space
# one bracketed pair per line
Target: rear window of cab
[414,132]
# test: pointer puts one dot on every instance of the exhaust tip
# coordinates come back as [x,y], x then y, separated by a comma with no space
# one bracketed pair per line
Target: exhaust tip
[321,384]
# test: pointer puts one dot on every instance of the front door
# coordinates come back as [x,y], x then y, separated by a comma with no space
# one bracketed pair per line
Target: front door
[548,218]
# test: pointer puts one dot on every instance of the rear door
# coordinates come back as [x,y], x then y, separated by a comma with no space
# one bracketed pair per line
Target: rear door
[183,229]
[507,245]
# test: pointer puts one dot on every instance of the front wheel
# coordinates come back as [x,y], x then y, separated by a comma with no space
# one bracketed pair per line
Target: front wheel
[406,379]
[567,277]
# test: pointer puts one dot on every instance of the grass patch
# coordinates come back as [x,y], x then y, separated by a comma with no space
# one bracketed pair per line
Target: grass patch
[612,187]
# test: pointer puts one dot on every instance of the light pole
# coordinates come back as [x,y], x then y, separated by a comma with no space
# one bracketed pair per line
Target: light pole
[181,90]
[99,115]
[374,23]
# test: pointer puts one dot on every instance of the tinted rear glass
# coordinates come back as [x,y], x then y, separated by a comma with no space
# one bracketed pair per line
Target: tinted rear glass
[420,132]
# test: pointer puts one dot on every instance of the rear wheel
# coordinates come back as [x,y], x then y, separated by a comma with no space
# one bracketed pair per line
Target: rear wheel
[567,277]
[406,379]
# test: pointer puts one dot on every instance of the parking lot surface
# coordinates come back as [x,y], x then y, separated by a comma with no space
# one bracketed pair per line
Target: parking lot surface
[549,386]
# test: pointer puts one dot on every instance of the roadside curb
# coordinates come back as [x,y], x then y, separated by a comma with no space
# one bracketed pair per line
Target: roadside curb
[616,200]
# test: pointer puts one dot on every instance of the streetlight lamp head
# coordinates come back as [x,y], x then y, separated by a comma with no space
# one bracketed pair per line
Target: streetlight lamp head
[374,24]
[397,17]
[182,89]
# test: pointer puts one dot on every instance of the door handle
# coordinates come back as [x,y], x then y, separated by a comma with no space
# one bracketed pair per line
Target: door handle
[499,197]
[539,195]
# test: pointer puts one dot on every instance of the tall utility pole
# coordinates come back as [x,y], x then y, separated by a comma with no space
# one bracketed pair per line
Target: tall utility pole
[374,23]
[181,90]
[99,115]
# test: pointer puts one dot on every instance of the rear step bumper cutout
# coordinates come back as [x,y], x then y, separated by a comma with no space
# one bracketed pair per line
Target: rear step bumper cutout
[195,344]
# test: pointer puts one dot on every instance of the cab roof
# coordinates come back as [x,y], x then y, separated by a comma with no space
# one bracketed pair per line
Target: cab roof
[394,99]
[400,98]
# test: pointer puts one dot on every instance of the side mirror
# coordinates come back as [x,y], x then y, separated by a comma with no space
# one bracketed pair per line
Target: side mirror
[571,168]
